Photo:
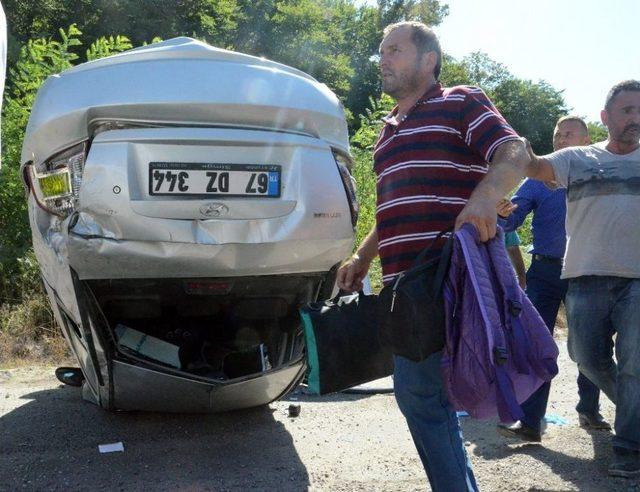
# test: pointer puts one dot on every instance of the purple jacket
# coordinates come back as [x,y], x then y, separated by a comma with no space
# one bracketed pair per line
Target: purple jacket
[498,350]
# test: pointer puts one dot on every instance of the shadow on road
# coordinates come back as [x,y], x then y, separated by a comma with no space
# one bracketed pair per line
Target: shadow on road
[586,474]
[51,442]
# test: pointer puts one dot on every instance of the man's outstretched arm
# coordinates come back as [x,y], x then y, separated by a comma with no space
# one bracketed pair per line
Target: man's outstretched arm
[538,167]
[511,161]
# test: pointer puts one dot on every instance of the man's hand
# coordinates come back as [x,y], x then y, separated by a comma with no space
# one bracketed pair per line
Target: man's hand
[351,274]
[505,208]
[353,271]
[481,212]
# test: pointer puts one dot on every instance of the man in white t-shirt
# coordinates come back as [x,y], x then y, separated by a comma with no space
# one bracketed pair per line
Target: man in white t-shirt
[602,262]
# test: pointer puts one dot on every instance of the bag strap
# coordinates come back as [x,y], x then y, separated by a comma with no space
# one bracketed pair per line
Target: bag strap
[443,266]
[443,263]
[513,300]
[423,254]
[509,410]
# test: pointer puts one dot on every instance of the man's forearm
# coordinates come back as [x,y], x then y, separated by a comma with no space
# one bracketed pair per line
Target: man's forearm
[518,263]
[518,216]
[368,248]
[540,169]
[507,168]
[353,270]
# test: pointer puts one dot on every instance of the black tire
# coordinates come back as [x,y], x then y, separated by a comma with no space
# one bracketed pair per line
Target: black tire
[71,376]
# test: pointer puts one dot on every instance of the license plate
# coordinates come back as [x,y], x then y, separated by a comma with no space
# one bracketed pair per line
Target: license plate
[213,179]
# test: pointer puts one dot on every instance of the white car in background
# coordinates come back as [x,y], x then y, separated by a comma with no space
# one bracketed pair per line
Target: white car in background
[184,201]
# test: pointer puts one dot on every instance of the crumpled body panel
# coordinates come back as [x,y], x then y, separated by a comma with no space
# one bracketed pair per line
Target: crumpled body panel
[98,258]
[132,234]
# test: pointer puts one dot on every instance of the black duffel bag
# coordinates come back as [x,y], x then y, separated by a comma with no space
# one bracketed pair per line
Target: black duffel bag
[343,343]
[411,310]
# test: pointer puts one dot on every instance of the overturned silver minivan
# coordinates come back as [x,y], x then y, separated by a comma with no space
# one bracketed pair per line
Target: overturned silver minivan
[184,202]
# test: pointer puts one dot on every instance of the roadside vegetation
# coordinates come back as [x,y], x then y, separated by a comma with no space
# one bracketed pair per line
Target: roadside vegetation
[334,40]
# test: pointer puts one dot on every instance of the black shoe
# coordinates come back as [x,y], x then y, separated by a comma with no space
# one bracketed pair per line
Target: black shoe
[71,376]
[626,463]
[593,421]
[520,431]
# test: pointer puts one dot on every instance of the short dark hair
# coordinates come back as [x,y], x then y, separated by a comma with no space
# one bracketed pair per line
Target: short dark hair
[424,39]
[625,85]
[577,119]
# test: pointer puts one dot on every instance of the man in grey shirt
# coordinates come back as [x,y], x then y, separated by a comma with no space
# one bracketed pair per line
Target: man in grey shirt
[602,262]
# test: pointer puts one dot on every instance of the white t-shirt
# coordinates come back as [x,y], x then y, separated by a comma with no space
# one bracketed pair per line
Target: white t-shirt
[603,210]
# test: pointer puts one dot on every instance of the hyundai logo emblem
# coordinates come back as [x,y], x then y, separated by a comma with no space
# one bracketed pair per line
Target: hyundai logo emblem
[214,209]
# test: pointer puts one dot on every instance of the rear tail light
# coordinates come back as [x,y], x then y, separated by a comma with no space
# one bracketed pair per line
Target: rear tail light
[56,182]
[344,164]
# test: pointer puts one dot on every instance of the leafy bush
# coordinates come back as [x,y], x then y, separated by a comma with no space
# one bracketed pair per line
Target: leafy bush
[38,60]
[361,148]
[27,327]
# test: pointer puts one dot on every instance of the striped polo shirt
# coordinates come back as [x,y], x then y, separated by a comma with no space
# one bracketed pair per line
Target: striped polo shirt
[427,166]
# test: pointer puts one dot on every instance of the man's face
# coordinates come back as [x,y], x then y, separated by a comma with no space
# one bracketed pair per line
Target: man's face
[622,119]
[569,134]
[403,70]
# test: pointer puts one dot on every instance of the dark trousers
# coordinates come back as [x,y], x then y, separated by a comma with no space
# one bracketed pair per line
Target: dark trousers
[433,423]
[546,291]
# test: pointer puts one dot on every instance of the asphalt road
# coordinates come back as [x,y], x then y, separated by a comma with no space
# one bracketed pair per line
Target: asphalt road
[49,440]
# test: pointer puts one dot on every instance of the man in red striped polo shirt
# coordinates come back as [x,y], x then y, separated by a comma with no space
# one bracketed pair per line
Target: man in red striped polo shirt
[432,165]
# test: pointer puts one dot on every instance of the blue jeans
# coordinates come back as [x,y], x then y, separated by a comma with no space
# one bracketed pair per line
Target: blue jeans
[433,424]
[598,308]
[546,291]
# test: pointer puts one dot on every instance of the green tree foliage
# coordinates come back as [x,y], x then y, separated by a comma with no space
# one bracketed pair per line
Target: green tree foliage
[362,144]
[332,40]
[139,20]
[483,71]
[431,12]
[108,46]
[531,108]
[597,131]
[306,35]
[38,59]
[453,72]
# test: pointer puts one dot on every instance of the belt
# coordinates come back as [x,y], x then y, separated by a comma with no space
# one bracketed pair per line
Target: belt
[550,259]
